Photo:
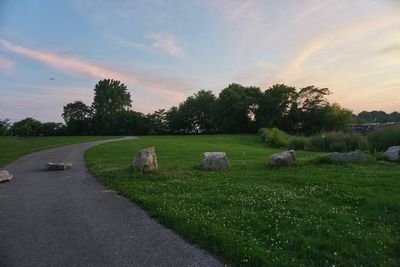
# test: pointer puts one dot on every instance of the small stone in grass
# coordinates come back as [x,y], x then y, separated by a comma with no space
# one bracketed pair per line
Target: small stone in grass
[146,160]
[286,158]
[393,153]
[215,161]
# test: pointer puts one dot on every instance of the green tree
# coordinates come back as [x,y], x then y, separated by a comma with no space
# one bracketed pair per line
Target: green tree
[26,127]
[51,129]
[175,121]
[4,126]
[278,108]
[157,122]
[110,97]
[312,108]
[129,123]
[236,108]
[337,118]
[196,112]
[77,116]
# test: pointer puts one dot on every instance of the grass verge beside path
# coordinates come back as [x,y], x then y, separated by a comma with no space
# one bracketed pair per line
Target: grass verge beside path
[12,148]
[252,215]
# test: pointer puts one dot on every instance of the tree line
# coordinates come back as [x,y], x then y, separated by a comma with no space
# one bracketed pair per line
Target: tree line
[378,116]
[236,109]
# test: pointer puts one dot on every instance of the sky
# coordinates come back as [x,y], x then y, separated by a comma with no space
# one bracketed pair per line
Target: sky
[53,52]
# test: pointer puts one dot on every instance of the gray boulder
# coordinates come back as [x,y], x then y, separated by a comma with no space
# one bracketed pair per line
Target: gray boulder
[5,176]
[286,158]
[350,157]
[58,166]
[146,160]
[215,161]
[393,153]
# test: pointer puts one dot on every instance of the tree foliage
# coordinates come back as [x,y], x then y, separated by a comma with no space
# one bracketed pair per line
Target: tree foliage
[278,108]
[378,116]
[4,126]
[237,109]
[196,112]
[110,97]
[312,109]
[77,116]
[26,127]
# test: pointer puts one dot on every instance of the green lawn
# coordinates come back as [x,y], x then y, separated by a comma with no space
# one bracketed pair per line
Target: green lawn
[11,148]
[252,215]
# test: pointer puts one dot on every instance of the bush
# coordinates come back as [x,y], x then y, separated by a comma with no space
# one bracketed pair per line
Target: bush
[263,132]
[382,139]
[277,138]
[297,142]
[336,142]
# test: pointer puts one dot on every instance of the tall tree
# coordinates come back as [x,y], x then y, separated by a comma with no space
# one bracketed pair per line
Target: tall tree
[196,112]
[4,126]
[157,122]
[77,116]
[110,97]
[312,104]
[278,108]
[235,108]
[175,121]
[337,118]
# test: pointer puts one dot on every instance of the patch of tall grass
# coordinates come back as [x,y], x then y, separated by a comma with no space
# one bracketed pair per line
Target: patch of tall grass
[382,139]
[328,142]
[336,142]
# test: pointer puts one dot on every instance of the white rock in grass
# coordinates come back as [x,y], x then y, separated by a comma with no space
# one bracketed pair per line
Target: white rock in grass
[286,158]
[146,160]
[5,176]
[393,153]
[215,161]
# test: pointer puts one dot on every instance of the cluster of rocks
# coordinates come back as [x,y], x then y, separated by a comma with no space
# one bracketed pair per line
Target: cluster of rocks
[5,176]
[146,160]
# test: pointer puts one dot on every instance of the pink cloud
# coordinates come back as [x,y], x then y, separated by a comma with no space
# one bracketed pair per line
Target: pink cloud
[166,42]
[170,90]
[7,65]
[23,100]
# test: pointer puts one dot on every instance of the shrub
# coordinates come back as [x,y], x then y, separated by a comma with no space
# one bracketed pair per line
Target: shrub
[336,142]
[263,132]
[382,139]
[277,138]
[297,142]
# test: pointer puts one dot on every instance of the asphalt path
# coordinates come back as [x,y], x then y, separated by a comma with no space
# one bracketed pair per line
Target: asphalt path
[67,218]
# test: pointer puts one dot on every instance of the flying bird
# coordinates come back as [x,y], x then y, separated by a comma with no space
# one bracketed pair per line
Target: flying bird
[52,79]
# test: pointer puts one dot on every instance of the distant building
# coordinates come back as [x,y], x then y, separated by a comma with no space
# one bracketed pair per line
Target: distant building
[366,128]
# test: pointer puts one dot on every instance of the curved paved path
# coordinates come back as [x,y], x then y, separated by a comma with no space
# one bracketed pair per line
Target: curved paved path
[66,218]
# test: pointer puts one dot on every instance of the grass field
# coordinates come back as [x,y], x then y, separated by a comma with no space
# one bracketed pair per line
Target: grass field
[12,148]
[253,215]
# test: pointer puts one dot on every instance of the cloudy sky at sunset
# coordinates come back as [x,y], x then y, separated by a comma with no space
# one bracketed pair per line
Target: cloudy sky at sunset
[54,52]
